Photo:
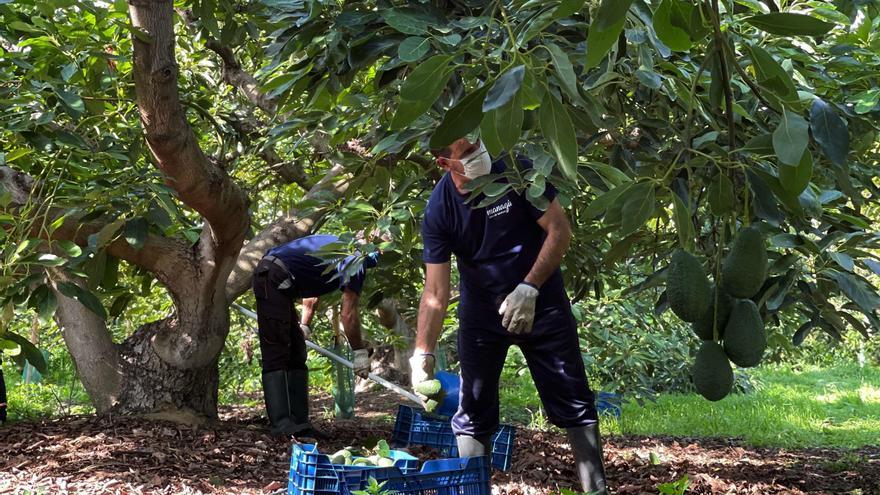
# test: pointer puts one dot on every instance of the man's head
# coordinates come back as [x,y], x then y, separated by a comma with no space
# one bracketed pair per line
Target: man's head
[464,158]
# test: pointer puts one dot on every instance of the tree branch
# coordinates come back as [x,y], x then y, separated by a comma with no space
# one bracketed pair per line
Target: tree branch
[170,259]
[199,183]
[290,226]
[235,76]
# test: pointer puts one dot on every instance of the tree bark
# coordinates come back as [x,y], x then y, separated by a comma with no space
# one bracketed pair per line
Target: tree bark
[153,386]
[94,354]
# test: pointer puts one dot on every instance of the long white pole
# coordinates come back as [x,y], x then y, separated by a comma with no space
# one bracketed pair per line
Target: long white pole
[345,362]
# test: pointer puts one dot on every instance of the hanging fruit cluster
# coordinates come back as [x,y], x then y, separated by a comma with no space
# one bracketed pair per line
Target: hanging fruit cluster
[722,315]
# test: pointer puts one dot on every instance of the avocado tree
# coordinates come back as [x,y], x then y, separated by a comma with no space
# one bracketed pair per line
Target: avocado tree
[175,143]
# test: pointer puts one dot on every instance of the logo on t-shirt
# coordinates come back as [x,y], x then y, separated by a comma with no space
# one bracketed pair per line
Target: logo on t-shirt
[499,210]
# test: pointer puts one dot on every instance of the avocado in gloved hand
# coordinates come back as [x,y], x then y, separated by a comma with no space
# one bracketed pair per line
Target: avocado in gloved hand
[433,390]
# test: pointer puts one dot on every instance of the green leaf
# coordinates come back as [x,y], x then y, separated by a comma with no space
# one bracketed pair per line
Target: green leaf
[49,259]
[606,28]
[609,173]
[504,89]
[17,153]
[508,122]
[107,233]
[649,78]
[413,48]
[565,72]
[69,248]
[23,247]
[866,101]
[47,306]
[790,138]
[830,131]
[30,352]
[790,24]
[567,8]
[801,333]
[23,27]
[638,206]
[120,304]
[460,119]
[683,224]
[68,71]
[406,22]
[673,36]
[605,200]
[856,290]
[421,89]
[721,198]
[84,297]
[763,200]
[136,232]
[844,260]
[771,75]
[495,189]
[558,130]
[796,179]
[489,133]
[762,144]
[72,102]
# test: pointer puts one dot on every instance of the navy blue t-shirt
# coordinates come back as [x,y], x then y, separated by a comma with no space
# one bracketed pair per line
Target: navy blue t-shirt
[495,246]
[308,271]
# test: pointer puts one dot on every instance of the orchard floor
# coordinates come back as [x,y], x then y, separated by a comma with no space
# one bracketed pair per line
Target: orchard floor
[236,455]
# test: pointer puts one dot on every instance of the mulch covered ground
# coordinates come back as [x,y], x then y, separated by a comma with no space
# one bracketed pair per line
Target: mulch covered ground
[89,455]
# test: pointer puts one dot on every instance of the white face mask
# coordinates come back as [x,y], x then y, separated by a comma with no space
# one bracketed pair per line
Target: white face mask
[478,163]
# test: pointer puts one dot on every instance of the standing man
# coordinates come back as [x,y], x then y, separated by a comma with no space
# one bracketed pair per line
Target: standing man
[289,272]
[511,293]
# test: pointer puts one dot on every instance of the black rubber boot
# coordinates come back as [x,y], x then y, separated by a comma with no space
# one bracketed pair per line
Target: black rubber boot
[275,393]
[587,447]
[298,390]
[473,446]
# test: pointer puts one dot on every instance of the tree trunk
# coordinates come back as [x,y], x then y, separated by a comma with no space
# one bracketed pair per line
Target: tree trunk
[152,386]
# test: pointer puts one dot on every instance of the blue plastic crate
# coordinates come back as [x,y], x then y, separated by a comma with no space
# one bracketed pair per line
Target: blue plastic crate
[609,403]
[458,476]
[312,473]
[415,427]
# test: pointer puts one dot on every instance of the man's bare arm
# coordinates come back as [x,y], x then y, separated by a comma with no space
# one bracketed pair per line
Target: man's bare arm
[309,306]
[351,321]
[555,224]
[432,309]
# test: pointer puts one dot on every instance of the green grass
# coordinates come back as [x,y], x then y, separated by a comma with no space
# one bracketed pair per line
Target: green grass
[807,407]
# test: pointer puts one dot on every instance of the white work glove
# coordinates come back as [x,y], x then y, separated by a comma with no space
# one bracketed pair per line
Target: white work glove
[518,309]
[361,362]
[421,367]
[306,331]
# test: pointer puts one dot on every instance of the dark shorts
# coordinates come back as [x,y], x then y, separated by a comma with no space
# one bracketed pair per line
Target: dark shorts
[282,345]
[553,355]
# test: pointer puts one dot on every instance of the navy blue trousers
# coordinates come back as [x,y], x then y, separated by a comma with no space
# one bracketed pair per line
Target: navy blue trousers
[282,345]
[553,355]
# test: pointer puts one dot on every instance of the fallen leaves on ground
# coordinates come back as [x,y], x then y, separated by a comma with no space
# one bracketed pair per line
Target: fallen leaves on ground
[236,455]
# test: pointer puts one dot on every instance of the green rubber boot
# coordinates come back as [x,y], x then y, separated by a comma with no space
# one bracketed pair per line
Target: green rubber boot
[275,393]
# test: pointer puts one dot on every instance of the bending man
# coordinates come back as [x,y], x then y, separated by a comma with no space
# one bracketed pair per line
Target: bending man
[289,272]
